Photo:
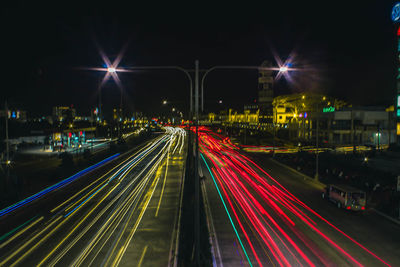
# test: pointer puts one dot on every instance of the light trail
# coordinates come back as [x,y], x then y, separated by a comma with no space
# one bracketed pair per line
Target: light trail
[101,213]
[261,200]
[54,187]
[227,212]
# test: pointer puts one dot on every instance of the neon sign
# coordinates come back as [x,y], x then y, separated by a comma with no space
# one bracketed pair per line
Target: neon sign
[328,109]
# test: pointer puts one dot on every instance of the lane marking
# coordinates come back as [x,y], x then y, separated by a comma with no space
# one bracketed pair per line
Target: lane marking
[164,182]
[142,257]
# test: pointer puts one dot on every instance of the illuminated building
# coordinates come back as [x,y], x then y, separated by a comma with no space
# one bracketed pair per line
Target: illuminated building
[14,114]
[61,113]
[246,117]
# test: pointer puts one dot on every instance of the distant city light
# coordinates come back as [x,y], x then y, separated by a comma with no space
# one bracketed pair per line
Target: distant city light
[164,102]
[220,101]
[110,69]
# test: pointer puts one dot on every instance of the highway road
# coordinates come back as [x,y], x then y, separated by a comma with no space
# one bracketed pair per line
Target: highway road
[262,214]
[125,216]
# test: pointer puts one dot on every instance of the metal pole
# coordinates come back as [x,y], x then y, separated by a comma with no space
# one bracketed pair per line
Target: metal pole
[7,143]
[352,131]
[202,98]
[273,129]
[379,139]
[197,184]
[191,101]
[317,143]
[121,115]
[100,105]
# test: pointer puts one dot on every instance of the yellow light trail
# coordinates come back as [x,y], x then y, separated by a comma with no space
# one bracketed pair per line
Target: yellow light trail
[163,186]
[140,187]
[148,197]
[73,230]
[81,233]
[132,213]
[129,158]
[103,230]
[142,257]
[28,242]
[21,232]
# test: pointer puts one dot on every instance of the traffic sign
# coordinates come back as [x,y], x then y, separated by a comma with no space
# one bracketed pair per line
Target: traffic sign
[396,13]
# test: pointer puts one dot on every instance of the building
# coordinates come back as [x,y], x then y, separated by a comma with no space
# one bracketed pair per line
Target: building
[247,117]
[265,93]
[62,113]
[14,114]
[360,126]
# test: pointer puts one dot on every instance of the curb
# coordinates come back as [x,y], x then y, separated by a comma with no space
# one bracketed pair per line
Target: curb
[306,177]
[386,216]
[322,184]
[217,261]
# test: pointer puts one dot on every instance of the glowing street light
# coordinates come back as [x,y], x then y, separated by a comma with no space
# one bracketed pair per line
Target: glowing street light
[111,70]
[164,102]
[173,109]
[283,69]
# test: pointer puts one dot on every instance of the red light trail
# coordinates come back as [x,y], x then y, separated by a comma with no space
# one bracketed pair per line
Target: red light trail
[260,202]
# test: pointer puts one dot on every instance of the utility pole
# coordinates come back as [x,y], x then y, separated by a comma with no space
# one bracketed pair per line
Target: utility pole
[196,171]
[100,106]
[274,120]
[352,131]
[7,143]
[121,116]
[317,144]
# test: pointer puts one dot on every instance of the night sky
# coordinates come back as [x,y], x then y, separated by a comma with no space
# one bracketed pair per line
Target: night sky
[346,48]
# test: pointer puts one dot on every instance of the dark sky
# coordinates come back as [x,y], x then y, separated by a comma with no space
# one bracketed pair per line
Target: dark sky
[347,50]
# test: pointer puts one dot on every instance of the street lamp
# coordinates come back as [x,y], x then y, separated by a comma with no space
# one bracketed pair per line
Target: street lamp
[283,69]
[164,102]
[111,69]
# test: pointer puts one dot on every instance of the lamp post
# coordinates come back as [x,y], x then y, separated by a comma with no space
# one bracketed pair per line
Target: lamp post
[317,145]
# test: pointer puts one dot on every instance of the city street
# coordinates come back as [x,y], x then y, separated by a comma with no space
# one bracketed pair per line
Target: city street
[265,214]
[125,216]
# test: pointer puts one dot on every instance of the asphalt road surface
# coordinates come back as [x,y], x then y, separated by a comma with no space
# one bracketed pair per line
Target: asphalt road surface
[125,216]
[263,214]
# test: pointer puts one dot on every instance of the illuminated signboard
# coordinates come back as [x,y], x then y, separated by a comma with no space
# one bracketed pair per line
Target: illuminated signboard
[398,128]
[398,100]
[328,109]
[396,13]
